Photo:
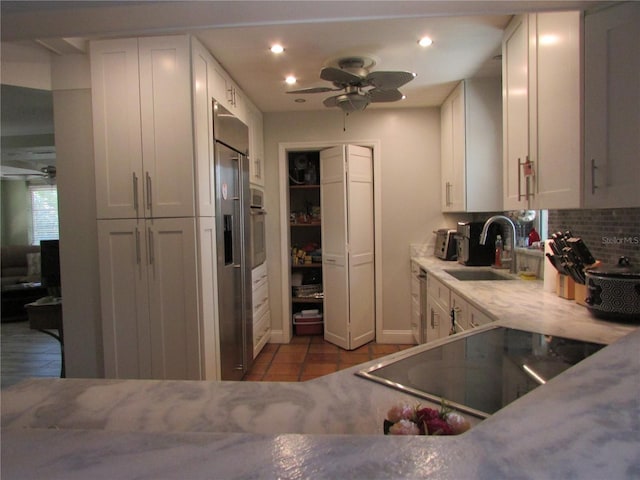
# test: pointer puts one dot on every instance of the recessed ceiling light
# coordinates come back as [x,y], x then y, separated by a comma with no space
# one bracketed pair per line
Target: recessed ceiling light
[290,80]
[277,48]
[425,42]
[299,100]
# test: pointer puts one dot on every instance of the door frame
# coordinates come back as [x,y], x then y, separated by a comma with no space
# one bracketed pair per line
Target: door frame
[285,334]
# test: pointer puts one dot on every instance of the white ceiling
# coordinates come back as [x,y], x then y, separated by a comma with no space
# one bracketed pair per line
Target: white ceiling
[466,37]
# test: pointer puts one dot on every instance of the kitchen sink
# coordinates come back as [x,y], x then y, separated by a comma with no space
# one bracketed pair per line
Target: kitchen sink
[476,275]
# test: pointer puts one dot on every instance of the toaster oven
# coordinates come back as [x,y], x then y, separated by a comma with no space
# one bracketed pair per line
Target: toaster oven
[446,244]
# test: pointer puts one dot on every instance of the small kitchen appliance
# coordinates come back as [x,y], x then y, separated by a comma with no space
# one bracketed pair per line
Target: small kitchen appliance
[446,246]
[470,251]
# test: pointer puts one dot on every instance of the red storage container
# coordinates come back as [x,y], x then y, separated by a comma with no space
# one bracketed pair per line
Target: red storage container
[308,324]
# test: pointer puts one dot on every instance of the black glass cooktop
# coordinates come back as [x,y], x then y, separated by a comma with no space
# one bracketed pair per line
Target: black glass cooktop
[482,372]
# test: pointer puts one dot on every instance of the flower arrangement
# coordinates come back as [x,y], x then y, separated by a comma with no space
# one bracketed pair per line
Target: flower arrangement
[403,419]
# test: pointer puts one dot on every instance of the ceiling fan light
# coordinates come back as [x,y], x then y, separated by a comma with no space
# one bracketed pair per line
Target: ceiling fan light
[352,102]
[425,42]
[290,80]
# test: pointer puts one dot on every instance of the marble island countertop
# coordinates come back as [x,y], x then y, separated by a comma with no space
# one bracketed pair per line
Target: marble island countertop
[584,423]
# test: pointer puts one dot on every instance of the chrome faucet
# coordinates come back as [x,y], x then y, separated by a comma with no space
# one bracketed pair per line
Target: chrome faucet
[508,221]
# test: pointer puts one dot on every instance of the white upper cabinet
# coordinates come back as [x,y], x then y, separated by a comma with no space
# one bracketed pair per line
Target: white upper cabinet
[116,128]
[225,91]
[142,113]
[542,93]
[202,137]
[256,146]
[612,107]
[470,147]
[167,142]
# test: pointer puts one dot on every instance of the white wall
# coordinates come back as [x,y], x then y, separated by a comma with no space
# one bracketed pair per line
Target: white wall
[26,66]
[77,213]
[410,209]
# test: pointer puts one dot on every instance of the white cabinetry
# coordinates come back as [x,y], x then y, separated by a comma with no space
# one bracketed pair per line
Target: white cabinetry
[542,111]
[416,307]
[225,91]
[612,107]
[261,311]
[256,146]
[149,298]
[461,313]
[466,316]
[155,223]
[141,95]
[443,303]
[438,321]
[471,147]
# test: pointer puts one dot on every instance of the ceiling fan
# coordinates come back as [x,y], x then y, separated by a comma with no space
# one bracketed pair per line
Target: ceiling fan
[48,172]
[359,86]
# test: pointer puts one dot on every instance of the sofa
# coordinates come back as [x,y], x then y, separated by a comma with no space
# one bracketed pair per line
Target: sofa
[20,265]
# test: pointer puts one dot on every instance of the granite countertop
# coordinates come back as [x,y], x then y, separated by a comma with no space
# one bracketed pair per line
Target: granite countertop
[584,423]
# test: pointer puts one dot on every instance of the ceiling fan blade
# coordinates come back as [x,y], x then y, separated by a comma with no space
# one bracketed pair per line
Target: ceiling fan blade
[389,80]
[379,95]
[338,76]
[314,90]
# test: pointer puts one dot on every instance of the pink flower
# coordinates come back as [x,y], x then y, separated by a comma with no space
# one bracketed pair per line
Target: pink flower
[404,427]
[401,411]
[427,413]
[438,426]
[457,423]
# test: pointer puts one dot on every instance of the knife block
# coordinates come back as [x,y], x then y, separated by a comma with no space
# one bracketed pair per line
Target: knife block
[580,293]
[565,287]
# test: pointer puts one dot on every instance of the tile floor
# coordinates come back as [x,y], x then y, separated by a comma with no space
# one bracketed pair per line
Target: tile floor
[28,353]
[308,357]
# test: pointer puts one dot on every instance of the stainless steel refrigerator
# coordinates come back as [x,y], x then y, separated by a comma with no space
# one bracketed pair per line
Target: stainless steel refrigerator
[233,243]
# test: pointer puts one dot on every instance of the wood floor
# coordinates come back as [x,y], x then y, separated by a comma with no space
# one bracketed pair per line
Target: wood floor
[28,353]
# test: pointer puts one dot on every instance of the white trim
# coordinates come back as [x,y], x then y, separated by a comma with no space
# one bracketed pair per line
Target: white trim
[396,337]
[284,335]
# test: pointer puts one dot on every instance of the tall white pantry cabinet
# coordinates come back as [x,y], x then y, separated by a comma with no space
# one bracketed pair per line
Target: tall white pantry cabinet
[155,207]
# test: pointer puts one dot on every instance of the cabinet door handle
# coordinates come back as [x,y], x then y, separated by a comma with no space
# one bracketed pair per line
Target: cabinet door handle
[137,246]
[151,253]
[135,193]
[593,176]
[149,197]
[447,199]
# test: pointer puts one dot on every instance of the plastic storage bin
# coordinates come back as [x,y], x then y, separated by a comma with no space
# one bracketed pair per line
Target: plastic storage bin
[308,324]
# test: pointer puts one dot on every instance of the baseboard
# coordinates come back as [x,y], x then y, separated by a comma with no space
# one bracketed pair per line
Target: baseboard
[277,336]
[396,336]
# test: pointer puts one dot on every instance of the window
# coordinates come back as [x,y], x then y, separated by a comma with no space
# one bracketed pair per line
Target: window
[44,213]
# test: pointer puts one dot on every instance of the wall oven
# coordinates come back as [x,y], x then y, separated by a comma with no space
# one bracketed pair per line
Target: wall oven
[258,231]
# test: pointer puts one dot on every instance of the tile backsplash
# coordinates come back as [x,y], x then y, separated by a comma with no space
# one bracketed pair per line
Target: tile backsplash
[609,233]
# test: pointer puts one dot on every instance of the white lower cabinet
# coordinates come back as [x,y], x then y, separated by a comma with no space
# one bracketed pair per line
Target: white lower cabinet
[477,318]
[438,321]
[446,312]
[416,312]
[154,310]
[461,314]
[261,311]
